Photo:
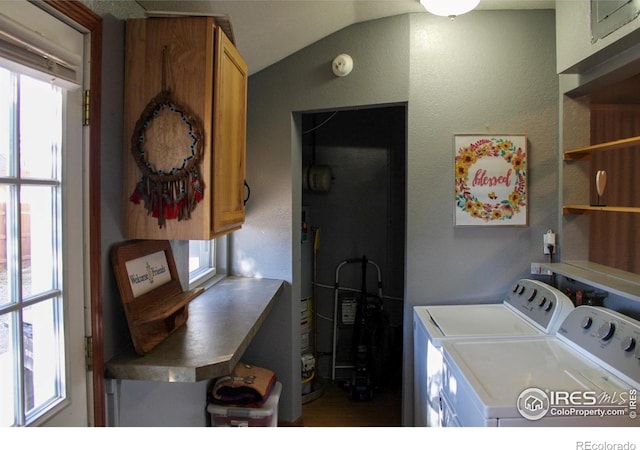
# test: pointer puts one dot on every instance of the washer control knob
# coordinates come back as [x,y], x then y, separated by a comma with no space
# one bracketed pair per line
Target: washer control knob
[515,288]
[521,290]
[606,331]
[586,323]
[549,305]
[628,344]
[533,295]
[542,302]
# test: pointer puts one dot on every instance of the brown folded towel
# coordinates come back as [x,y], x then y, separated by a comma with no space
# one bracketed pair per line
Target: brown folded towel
[247,385]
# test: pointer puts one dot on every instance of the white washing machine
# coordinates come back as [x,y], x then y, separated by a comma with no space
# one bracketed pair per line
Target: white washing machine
[587,374]
[530,309]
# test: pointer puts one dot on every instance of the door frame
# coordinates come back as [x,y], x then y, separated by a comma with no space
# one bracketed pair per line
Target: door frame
[81,15]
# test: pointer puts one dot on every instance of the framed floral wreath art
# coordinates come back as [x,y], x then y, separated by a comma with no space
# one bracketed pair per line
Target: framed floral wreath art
[490,180]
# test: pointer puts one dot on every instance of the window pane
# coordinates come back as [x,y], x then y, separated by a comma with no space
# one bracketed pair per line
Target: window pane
[32,359]
[6,247]
[7,112]
[197,253]
[40,128]
[201,258]
[37,205]
[42,351]
[7,360]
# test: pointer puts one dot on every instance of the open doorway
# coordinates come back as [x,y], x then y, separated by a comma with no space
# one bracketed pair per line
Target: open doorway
[354,209]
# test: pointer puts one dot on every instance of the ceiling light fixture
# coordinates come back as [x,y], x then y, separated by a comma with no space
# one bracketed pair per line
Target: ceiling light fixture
[449,8]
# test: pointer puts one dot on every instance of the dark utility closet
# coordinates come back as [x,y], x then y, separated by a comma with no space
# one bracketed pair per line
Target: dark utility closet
[353,203]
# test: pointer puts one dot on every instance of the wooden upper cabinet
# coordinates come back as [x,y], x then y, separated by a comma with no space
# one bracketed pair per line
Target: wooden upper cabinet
[229,129]
[205,79]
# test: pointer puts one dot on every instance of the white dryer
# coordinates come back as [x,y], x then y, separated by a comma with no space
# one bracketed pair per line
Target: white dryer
[530,309]
[587,374]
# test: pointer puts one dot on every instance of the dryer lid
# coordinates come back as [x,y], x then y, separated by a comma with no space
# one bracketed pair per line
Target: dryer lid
[469,321]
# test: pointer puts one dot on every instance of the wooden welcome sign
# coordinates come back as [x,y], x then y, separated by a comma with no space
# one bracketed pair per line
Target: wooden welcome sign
[490,180]
[152,297]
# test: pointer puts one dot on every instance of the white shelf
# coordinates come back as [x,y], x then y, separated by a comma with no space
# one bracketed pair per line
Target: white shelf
[615,281]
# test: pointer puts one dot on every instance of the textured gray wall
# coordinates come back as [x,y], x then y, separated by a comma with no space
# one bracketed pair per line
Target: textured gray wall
[485,72]
[137,399]
[432,64]
[575,51]
[511,88]
[122,9]
[268,243]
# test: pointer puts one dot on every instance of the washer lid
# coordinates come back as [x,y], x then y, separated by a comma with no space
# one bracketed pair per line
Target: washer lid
[491,375]
[468,321]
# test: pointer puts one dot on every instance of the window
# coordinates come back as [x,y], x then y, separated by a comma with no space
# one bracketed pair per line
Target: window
[202,263]
[32,357]
[43,205]
[207,261]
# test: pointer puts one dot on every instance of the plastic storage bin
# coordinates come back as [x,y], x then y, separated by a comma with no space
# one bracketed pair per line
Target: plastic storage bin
[235,416]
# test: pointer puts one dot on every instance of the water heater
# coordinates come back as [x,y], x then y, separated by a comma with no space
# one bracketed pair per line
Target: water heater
[317,178]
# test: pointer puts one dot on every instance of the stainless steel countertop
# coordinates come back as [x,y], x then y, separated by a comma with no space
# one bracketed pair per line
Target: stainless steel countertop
[222,322]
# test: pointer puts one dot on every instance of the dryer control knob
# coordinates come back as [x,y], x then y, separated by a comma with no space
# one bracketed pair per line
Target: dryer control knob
[586,323]
[628,344]
[606,331]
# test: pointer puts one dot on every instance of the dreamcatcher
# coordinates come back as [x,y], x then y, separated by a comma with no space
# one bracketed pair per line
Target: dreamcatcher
[170,186]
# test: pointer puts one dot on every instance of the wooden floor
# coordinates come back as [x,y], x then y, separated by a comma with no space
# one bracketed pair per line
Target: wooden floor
[334,409]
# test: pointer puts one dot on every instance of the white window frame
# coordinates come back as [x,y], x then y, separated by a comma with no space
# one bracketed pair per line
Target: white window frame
[59,292]
[217,270]
[39,45]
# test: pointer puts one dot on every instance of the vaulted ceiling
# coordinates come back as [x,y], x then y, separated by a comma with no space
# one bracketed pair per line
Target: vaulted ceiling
[267,31]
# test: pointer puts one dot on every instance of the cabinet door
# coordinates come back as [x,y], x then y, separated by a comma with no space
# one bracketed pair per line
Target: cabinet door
[229,130]
[207,75]
[181,52]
